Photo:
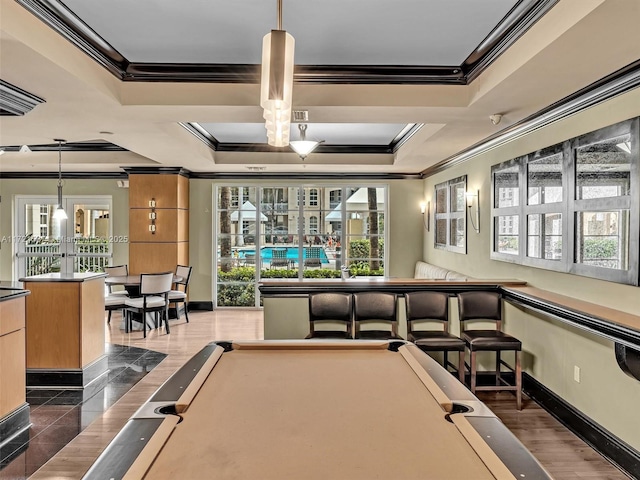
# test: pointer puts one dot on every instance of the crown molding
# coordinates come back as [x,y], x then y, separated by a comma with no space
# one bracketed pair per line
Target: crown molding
[617,83]
[15,101]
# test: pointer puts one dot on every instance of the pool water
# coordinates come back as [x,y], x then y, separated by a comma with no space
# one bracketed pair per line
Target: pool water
[292,253]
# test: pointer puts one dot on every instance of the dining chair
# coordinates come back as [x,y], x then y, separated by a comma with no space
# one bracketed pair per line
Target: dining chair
[179,294]
[114,302]
[117,271]
[154,298]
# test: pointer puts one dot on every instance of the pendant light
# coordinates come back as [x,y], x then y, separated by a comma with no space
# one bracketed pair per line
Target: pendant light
[59,214]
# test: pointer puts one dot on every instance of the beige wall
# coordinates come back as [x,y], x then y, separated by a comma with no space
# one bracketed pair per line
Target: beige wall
[10,188]
[404,236]
[552,348]
[405,232]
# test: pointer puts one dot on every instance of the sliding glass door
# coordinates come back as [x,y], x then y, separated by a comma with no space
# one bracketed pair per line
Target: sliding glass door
[294,232]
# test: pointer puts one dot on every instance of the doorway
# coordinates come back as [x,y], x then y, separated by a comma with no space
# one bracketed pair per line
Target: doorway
[43,244]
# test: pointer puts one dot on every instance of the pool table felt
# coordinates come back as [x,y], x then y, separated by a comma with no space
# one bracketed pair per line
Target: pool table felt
[317,414]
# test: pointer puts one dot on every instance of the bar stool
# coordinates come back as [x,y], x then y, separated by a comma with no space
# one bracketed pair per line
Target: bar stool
[487,306]
[433,307]
[377,307]
[330,307]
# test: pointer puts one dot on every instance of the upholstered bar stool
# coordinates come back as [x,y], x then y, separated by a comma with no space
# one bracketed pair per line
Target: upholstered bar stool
[487,307]
[376,307]
[433,307]
[333,308]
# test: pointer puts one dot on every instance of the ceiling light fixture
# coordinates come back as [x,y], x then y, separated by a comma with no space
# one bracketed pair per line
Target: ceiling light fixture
[276,86]
[25,149]
[59,214]
[303,147]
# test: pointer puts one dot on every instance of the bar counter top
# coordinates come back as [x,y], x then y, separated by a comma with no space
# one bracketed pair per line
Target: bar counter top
[287,286]
[9,293]
[63,277]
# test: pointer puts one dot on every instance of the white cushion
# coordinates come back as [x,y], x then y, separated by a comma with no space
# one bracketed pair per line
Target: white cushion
[152,302]
[113,301]
[119,293]
[177,295]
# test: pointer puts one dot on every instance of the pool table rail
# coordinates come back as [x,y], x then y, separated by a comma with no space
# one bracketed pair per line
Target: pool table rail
[132,452]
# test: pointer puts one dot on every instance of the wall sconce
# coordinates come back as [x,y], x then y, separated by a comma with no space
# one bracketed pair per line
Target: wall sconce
[425,210]
[474,215]
[152,216]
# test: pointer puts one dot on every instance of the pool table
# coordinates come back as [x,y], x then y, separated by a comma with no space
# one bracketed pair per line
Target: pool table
[293,409]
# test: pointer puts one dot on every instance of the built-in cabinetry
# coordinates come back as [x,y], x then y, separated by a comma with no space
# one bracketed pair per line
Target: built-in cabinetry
[65,329]
[14,410]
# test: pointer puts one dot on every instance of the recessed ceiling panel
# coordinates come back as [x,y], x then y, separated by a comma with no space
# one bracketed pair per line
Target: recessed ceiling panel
[330,133]
[327,32]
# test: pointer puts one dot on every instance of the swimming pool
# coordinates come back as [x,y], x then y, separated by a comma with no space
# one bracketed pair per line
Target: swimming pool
[292,253]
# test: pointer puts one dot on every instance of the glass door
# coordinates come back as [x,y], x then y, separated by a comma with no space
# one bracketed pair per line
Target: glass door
[82,242]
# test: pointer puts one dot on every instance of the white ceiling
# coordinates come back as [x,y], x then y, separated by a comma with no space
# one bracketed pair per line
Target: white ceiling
[416,32]
[576,43]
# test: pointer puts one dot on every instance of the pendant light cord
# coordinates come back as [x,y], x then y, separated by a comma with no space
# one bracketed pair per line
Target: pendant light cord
[279,15]
[59,163]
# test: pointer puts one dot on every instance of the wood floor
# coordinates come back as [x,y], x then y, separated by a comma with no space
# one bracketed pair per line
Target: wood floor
[562,453]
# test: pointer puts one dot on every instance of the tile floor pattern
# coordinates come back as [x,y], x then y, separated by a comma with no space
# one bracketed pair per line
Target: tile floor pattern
[58,416]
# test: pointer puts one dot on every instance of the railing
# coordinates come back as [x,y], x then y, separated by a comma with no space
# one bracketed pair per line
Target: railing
[43,255]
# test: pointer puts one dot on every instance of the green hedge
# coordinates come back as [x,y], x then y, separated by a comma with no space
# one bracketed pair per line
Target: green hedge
[243,294]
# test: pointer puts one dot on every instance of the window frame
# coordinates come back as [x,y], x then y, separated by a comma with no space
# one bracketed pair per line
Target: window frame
[571,207]
[448,215]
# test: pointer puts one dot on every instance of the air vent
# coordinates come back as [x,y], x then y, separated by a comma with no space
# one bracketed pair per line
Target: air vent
[300,116]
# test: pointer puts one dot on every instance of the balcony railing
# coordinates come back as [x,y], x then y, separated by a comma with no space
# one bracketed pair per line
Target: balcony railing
[43,255]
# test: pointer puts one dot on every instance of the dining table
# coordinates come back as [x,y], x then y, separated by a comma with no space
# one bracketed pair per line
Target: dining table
[131,283]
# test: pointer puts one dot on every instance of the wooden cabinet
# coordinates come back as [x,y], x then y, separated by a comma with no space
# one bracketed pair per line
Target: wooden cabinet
[14,410]
[65,329]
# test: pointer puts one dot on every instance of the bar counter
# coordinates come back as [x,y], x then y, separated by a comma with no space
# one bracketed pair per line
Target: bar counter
[65,329]
[285,300]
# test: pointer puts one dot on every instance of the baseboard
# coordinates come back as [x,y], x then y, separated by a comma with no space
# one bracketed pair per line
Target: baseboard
[206,306]
[623,455]
[69,378]
[14,434]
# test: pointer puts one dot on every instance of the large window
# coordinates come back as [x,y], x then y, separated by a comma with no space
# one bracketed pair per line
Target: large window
[450,215]
[572,207]
[271,232]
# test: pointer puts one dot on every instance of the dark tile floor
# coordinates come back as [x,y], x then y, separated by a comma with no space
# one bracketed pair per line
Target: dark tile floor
[57,416]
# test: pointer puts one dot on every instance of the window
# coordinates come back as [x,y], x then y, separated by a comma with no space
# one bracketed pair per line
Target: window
[313,224]
[334,198]
[580,211]
[313,197]
[316,239]
[450,215]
